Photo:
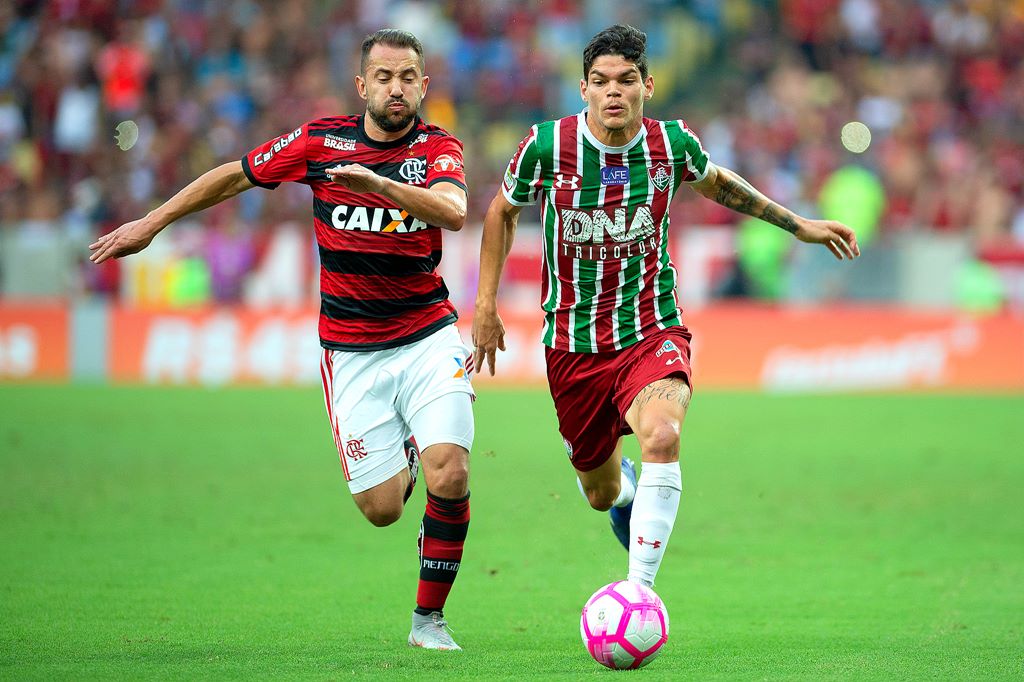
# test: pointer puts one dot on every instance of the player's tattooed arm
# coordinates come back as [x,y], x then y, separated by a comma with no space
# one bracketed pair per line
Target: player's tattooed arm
[730,190]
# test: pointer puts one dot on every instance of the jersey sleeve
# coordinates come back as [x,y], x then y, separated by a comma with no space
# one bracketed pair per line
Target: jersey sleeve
[522,182]
[694,159]
[281,159]
[444,162]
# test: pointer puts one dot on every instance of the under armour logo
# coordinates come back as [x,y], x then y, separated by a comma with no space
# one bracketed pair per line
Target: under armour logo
[640,541]
[566,181]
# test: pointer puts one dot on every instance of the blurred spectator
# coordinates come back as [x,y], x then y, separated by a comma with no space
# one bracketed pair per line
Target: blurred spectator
[767,83]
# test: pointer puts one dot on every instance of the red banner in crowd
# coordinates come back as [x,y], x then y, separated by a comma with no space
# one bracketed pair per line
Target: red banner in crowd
[214,347]
[742,346]
[854,349]
[747,346]
[34,342]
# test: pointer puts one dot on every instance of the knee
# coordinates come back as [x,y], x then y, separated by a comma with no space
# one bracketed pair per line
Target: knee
[602,497]
[446,468]
[660,442]
[381,516]
[452,480]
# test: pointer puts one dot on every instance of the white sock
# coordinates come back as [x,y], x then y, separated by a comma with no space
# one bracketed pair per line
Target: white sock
[654,514]
[626,491]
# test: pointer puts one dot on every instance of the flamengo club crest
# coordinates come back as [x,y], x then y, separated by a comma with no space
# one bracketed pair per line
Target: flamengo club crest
[661,175]
[355,449]
[414,170]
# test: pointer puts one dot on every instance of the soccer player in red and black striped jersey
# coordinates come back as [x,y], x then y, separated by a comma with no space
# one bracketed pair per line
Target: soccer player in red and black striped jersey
[618,353]
[395,371]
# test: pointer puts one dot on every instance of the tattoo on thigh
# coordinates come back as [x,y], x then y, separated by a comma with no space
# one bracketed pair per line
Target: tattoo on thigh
[672,390]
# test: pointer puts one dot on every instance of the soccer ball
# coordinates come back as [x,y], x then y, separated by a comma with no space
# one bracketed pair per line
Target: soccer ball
[624,625]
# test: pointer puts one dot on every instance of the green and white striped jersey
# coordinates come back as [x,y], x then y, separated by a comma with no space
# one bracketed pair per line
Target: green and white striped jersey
[609,281]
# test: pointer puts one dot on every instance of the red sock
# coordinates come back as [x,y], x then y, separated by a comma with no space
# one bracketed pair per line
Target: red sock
[442,535]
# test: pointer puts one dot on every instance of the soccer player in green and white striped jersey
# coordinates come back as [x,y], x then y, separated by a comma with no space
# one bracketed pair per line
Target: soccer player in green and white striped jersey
[617,351]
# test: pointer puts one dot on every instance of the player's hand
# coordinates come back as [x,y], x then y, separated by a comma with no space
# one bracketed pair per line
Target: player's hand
[357,178]
[128,239]
[488,338]
[838,238]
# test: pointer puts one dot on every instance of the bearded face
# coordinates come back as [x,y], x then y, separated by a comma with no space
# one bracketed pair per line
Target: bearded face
[393,86]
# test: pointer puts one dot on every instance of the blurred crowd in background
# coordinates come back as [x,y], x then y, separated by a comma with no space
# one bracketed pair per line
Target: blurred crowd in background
[767,84]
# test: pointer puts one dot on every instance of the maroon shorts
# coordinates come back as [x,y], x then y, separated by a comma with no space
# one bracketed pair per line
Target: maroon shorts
[593,391]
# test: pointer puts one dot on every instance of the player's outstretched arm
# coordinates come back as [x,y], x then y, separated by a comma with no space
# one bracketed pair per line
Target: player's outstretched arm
[498,233]
[442,204]
[730,190]
[212,187]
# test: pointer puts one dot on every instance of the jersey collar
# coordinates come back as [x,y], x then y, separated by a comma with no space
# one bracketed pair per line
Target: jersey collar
[640,135]
[362,137]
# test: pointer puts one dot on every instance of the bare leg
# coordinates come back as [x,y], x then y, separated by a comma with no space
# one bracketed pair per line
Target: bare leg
[382,504]
[656,416]
[602,485]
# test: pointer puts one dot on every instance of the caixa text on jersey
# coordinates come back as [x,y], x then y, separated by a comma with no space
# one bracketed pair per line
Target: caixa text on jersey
[375,219]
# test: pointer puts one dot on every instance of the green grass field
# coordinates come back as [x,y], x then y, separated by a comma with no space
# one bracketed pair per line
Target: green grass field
[184,533]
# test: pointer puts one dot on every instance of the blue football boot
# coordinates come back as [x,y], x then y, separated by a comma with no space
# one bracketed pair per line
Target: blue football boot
[620,515]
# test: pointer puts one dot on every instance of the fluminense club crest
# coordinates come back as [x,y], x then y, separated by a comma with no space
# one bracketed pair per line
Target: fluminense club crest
[661,175]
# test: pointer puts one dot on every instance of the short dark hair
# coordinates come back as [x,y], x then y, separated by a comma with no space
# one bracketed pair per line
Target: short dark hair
[628,42]
[392,37]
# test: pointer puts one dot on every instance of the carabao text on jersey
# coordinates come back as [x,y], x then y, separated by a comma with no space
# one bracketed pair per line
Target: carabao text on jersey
[260,159]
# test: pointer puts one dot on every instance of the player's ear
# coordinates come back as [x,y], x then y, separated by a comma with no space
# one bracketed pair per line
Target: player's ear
[361,86]
[423,86]
[648,87]
[583,89]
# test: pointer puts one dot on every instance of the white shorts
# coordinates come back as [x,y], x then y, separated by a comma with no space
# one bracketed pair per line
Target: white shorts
[376,399]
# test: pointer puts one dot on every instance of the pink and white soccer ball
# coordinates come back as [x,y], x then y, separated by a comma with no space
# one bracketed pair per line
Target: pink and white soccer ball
[624,625]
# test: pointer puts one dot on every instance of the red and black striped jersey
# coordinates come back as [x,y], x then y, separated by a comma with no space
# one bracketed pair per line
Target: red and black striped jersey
[379,286]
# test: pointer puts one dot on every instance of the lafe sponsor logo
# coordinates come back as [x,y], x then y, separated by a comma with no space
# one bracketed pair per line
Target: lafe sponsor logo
[579,226]
[375,219]
[913,360]
[614,175]
[261,159]
[414,170]
[339,143]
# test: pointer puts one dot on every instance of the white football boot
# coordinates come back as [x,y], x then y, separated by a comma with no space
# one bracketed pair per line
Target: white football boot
[431,632]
